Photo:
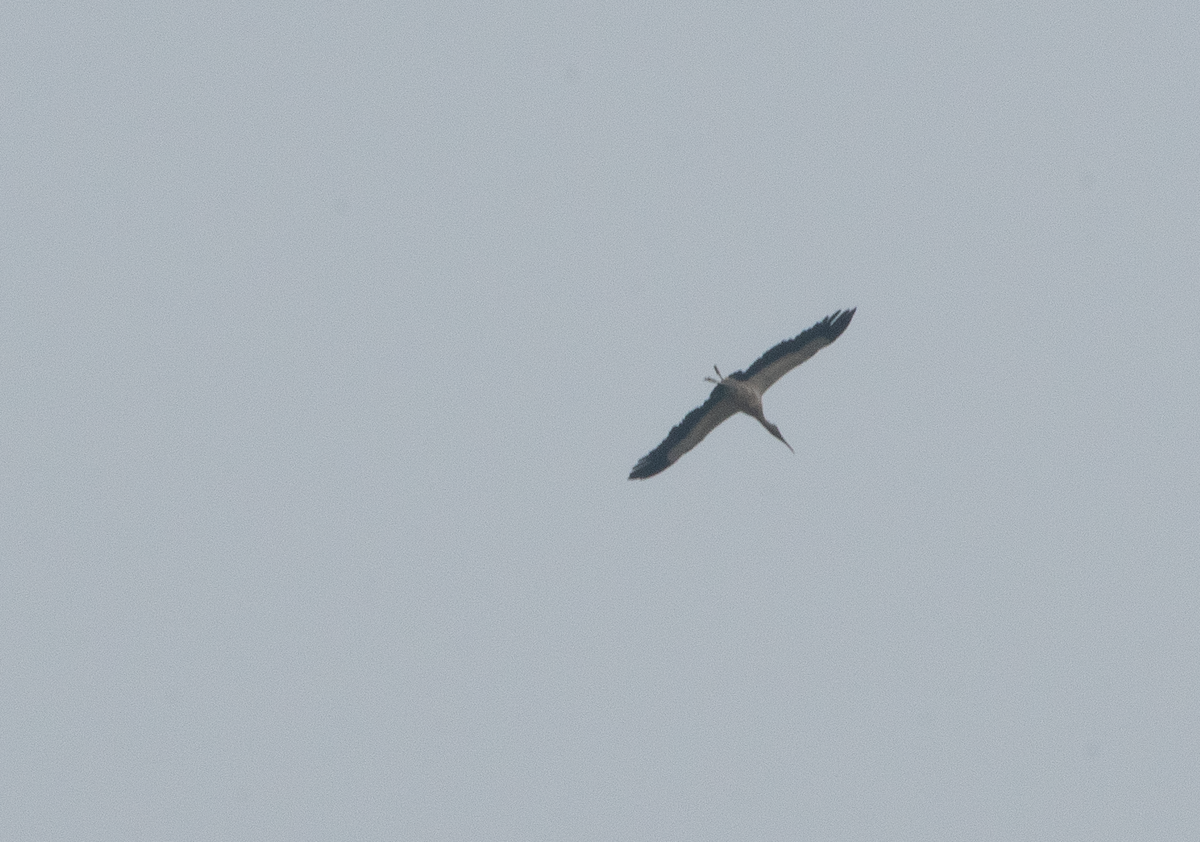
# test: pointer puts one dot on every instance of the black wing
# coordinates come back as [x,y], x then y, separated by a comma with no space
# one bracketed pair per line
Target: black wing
[686,434]
[791,352]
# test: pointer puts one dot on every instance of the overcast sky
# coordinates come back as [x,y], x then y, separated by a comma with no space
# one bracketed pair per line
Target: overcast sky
[331,333]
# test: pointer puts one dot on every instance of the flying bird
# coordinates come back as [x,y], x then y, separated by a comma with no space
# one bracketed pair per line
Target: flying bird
[741,392]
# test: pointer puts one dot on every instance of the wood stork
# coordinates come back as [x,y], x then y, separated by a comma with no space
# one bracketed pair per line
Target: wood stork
[741,392]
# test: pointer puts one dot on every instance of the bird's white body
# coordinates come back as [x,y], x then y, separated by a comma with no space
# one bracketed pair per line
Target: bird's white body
[743,395]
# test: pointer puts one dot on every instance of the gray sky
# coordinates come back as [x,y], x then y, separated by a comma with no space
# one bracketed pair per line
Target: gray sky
[331,332]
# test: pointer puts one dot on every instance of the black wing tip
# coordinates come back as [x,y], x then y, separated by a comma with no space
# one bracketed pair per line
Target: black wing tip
[836,324]
[647,467]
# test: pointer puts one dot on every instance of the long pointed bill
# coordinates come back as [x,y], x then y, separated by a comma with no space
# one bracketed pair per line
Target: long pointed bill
[773,430]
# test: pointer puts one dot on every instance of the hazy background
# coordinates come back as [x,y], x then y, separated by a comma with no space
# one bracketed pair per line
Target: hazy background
[330,333]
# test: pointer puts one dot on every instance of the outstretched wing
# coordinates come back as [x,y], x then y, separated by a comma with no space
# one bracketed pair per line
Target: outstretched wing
[686,434]
[791,352]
